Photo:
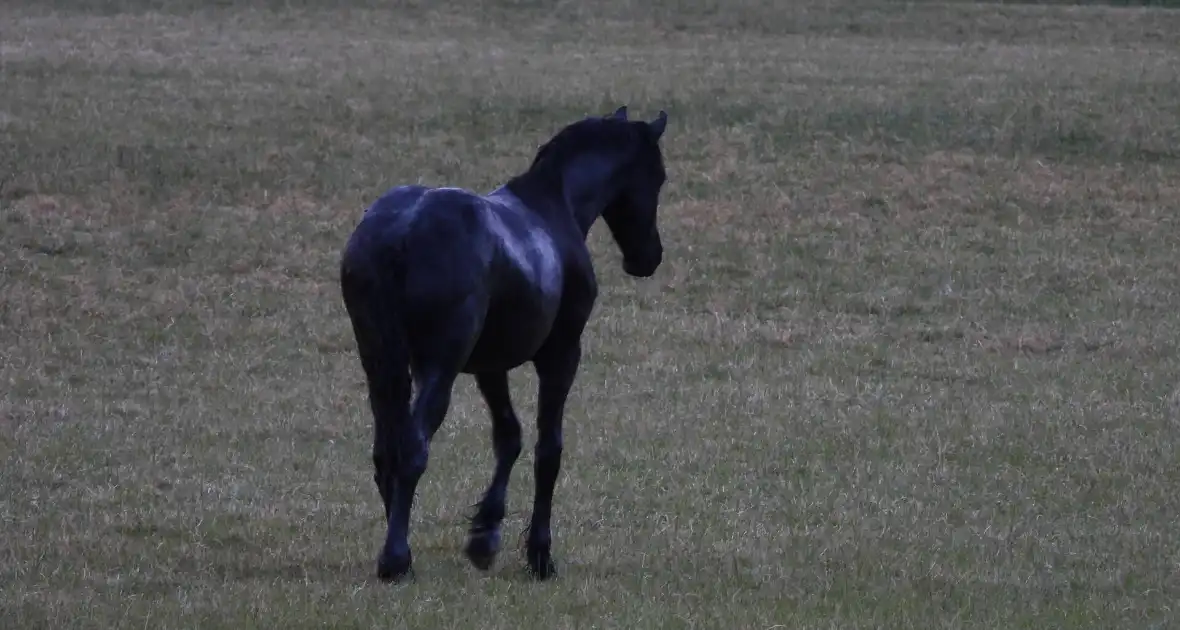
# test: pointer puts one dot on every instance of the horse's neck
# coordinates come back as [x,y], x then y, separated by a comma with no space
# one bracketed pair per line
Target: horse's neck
[552,195]
[587,187]
[585,212]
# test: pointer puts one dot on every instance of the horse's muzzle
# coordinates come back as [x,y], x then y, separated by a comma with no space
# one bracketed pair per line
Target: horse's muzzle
[645,266]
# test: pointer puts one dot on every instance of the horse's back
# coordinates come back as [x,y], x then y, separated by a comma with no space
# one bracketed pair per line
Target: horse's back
[490,245]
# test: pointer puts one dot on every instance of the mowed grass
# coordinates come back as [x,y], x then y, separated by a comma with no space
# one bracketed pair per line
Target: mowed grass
[911,360]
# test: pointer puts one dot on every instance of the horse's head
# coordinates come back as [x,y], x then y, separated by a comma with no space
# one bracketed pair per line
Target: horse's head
[611,167]
[631,214]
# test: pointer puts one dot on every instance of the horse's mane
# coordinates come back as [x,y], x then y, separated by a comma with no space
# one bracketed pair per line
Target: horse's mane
[589,133]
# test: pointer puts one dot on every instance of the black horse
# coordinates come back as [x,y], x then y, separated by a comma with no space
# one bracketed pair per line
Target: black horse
[443,281]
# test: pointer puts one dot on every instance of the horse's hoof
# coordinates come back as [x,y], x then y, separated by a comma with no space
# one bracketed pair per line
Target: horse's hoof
[393,568]
[482,549]
[541,564]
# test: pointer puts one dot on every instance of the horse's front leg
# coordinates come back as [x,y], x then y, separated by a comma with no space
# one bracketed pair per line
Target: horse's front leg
[556,369]
[484,541]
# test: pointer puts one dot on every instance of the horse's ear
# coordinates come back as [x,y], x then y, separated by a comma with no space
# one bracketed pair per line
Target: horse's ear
[620,113]
[657,126]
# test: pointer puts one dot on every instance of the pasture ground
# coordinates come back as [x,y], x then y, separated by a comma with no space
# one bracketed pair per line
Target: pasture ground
[912,360]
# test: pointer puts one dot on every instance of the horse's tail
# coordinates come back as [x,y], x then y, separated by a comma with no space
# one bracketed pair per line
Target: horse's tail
[372,292]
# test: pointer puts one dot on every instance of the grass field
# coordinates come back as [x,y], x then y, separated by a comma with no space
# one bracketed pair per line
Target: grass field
[911,361]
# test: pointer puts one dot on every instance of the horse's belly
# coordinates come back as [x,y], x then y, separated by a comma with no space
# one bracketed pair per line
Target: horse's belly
[512,334]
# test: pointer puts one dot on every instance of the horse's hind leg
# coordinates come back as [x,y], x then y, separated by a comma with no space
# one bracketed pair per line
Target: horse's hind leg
[389,399]
[441,342]
[385,360]
[484,541]
[398,448]
[411,441]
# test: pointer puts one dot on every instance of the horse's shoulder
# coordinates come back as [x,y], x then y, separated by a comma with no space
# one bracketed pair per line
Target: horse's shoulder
[509,213]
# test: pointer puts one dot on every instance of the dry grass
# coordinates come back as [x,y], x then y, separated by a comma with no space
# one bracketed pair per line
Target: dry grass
[911,362]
